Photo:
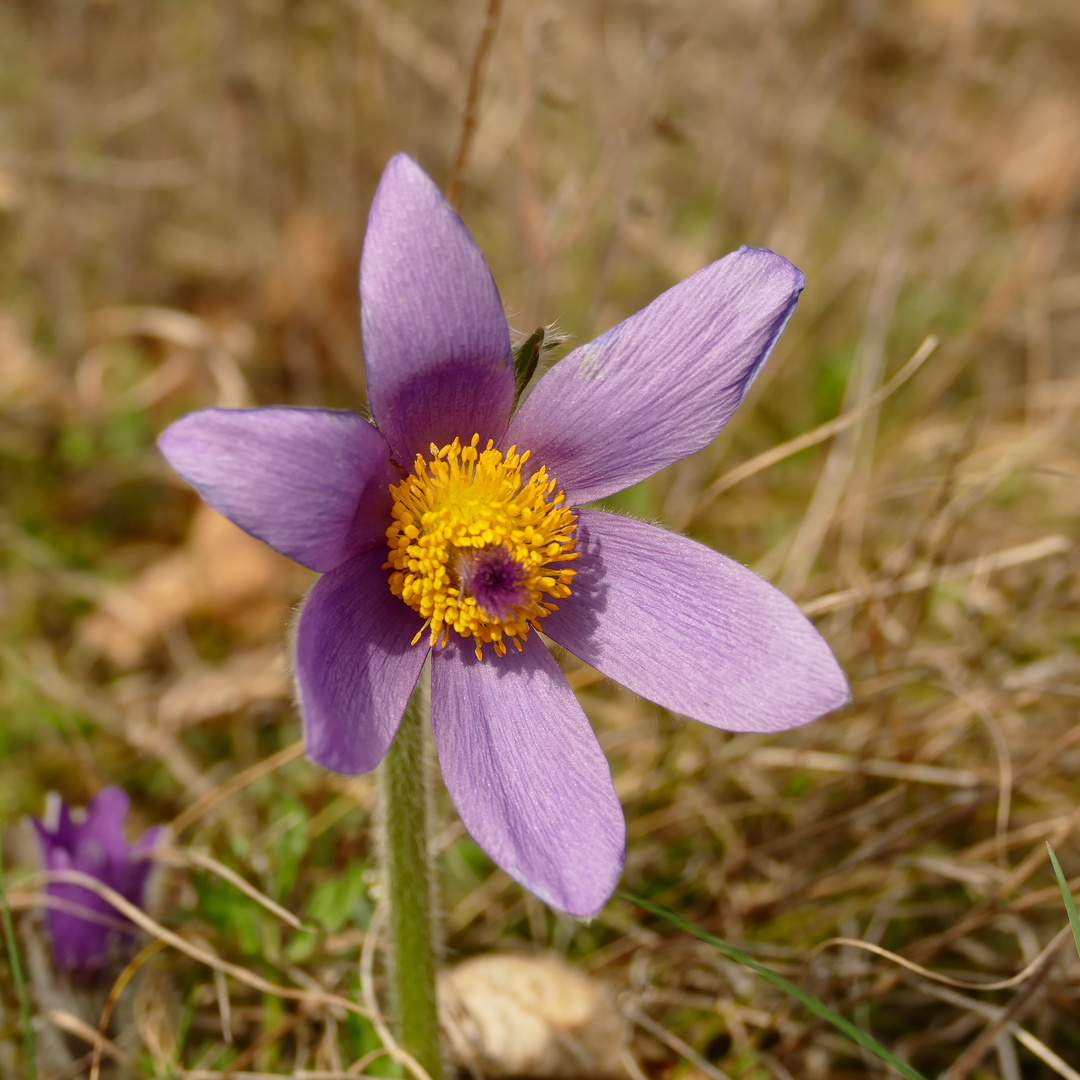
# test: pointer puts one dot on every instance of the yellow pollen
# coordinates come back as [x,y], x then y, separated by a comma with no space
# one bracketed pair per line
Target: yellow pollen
[467,532]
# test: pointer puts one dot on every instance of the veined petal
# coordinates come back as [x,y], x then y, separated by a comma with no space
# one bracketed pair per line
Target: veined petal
[526,773]
[663,383]
[436,342]
[313,483]
[355,664]
[698,633]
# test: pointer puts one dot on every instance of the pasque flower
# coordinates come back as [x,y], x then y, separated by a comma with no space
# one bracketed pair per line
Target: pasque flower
[85,928]
[453,528]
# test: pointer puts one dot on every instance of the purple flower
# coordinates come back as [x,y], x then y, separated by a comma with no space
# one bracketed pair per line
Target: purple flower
[451,528]
[98,848]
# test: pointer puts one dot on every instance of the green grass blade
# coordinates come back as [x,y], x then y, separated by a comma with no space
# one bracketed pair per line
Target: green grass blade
[818,1008]
[1070,904]
[17,977]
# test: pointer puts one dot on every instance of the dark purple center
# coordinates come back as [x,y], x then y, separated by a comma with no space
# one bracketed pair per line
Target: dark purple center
[495,579]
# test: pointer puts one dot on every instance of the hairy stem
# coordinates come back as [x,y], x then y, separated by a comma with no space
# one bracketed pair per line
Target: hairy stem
[409,881]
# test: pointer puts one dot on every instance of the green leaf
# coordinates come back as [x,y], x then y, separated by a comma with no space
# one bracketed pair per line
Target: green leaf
[526,358]
[363,1039]
[231,913]
[1070,904]
[335,902]
[818,1008]
[289,819]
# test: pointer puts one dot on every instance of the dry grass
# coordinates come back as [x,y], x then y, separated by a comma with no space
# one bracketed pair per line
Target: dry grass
[182,194]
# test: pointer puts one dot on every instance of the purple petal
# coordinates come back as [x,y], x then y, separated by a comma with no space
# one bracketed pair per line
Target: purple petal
[62,830]
[436,343]
[98,848]
[104,827]
[355,664]
[312,483]
[54,855]
[663,383]
[98,839]
[78,943]
[693,631]
[526,773]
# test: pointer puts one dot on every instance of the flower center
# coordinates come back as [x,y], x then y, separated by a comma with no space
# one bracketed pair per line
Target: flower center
[473,549]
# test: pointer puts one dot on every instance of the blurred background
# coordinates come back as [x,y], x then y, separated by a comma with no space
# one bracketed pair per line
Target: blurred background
[183,191]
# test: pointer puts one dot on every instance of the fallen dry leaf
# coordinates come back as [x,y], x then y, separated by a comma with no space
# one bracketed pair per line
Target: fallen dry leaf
[1041,175]
[221,571]
[26,379]
[244,679]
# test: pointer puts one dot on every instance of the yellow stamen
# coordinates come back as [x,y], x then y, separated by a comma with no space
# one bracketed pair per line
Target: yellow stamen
[466,507]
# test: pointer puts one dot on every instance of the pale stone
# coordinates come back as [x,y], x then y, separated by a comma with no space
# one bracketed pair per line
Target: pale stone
[530,1016]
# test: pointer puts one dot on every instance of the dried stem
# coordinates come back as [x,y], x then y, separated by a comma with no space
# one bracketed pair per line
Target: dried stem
[472,104]
[971,1057]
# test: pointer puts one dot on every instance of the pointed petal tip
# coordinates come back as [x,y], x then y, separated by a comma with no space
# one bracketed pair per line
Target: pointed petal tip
[403,165]
[401,172]
[311,483]
[785,275]
[111,801]
[663,383]
[170,441]
[826,683]
[578,905]
[839,689]
[826,688]
[321,749]
[775,261]
[713,641]
[578,897]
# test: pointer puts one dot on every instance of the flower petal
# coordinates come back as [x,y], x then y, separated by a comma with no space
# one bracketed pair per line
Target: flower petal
[312,483]
[355,664]
[77,942]
[663,383]
[526,773]
[81,943]
[692,630]
[436,343]
[104,826]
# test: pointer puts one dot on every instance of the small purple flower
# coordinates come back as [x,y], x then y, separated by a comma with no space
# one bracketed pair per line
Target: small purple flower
[452,525]
[96,847]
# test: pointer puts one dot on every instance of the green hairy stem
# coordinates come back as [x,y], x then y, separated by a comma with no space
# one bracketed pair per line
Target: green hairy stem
[407,866]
